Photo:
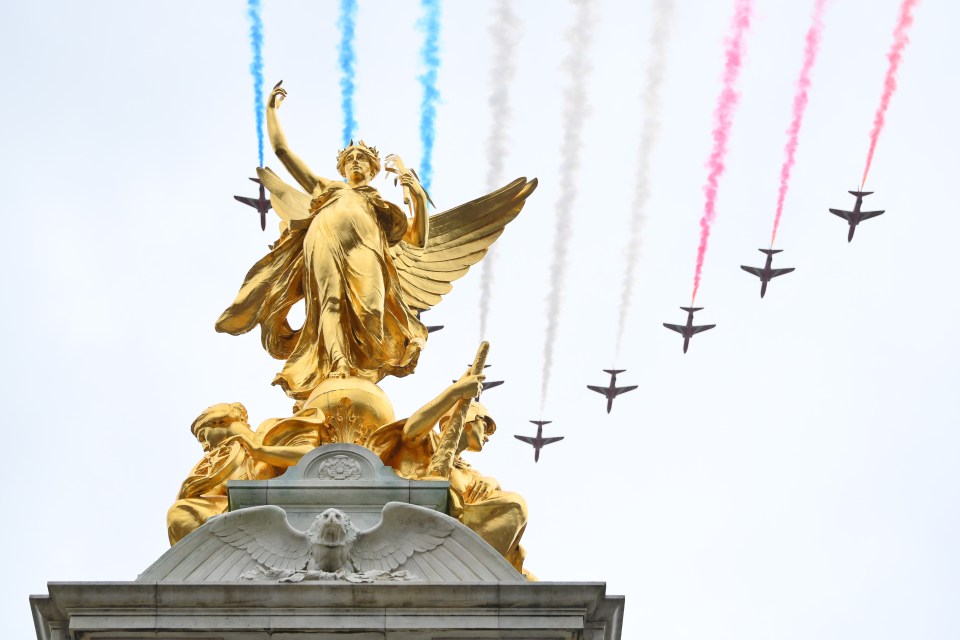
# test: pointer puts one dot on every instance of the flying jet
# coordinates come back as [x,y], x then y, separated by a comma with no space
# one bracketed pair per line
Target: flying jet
[613,390]
[688,330]
[767,273]
[539,441]
[856,216]
[261,204]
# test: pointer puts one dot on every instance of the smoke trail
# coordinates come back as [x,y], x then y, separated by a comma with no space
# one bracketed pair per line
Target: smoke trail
[505,32]
[256,70]
[900,40]
[347,58]
[799,108]
[430,56]
[723,120]
[575,110]
[650,130]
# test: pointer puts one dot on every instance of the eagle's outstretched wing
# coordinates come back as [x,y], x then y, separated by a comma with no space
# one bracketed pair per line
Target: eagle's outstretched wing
[230,545]
[265,535]
[458,238]
[430,545]
[404,530]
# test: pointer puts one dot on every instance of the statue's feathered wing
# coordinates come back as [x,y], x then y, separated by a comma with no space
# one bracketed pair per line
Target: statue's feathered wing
[289,202]
[458,239]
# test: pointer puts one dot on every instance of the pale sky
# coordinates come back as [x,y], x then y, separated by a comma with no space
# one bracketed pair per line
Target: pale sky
[793,476]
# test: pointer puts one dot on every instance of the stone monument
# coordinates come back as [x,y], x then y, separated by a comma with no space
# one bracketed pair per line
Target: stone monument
[340,520]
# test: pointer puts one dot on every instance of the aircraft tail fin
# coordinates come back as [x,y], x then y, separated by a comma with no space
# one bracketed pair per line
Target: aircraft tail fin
[257,180]
[691,309]
[770,252]
[614,372]
[860,194]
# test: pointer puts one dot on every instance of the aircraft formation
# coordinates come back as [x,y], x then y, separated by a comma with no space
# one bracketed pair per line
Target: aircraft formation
[765,273]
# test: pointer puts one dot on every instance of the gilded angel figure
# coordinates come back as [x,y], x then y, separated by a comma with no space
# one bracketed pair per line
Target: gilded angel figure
[364,269]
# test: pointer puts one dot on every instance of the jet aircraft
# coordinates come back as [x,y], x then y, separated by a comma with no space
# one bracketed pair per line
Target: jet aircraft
[767,272]
[613,390]
[539,441]
[688,330]
[261,204]
[856,216]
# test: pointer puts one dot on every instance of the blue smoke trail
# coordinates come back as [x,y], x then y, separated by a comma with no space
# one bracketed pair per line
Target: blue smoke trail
[430,55]
[348,59]
[256,70]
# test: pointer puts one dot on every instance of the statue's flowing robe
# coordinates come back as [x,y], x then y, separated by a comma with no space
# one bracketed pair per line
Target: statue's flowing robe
[338,261]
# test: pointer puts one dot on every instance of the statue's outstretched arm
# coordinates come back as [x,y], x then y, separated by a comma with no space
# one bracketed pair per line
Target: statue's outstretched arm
[421,422]
[297,167]
[278,456]
[418,229]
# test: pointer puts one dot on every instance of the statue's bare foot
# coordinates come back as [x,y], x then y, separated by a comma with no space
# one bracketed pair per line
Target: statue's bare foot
[340,370]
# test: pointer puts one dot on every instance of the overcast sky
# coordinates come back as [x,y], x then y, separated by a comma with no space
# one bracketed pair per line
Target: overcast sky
[793,476]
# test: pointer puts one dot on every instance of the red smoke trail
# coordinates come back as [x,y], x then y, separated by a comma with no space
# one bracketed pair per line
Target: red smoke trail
[900,41]
[723,120]
[799,107]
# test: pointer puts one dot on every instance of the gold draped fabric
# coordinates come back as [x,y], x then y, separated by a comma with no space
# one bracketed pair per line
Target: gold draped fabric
[338,261]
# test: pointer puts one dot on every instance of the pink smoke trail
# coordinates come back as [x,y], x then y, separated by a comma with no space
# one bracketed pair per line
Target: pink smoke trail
[723,120]
[900,40]
[799,108]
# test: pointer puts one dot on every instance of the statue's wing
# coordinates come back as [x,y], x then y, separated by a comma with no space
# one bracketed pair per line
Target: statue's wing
[265,535]
[457,239]
[289,202]
[405,530]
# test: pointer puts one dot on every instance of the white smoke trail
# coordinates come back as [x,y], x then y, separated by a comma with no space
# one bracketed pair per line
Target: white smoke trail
[650,131]
[505,33]
[575,110]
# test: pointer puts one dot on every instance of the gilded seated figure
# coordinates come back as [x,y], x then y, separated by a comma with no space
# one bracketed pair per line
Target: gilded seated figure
[497,516]
[232,451]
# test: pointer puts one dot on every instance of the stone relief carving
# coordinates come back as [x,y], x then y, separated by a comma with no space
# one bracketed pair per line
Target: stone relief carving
[339,468]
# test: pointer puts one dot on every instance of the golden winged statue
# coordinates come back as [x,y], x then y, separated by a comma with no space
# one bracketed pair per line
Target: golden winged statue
[364,269]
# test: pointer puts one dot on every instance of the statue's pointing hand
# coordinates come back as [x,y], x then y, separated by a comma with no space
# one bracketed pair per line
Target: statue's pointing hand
[276,96]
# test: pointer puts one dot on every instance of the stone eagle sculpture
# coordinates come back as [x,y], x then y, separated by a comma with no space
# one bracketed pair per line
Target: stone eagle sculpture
[409,543]
[332,544]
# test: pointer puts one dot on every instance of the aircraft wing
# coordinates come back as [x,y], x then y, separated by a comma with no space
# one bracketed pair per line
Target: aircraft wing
[620,390]
[757,271]
[602,390]
[779,272]
[866,215]
[528,439]
[247,201]
[674,327]
[547,441]
[840,212]
[702,327]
